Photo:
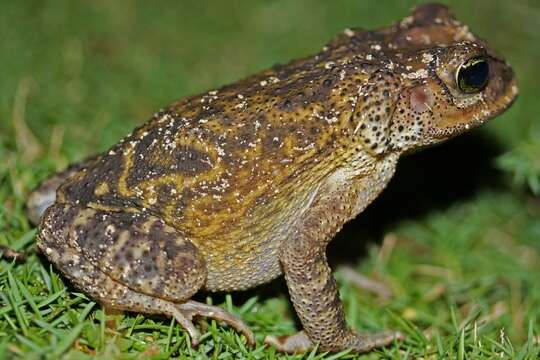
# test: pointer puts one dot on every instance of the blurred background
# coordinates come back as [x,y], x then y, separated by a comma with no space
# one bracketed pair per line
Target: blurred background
[75,77]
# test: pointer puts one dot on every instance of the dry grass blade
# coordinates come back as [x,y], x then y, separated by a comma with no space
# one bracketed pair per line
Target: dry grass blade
[27,143]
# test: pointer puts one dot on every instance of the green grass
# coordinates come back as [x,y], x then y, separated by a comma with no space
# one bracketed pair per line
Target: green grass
[461,252]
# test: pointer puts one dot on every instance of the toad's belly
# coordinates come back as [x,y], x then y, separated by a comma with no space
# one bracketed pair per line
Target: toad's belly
[237,271]
[248,255]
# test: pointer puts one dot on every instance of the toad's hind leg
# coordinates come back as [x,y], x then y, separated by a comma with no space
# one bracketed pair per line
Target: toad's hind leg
[45,194]
[130,261]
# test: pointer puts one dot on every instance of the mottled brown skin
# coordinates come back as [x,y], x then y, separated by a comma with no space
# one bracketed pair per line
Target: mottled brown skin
[232,188]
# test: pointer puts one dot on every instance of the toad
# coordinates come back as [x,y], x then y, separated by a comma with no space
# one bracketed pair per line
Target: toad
[234,187]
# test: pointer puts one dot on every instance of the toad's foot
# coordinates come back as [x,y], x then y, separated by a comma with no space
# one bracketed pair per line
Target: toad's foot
[297,343]
[360,343]
[9,254]
[45,194]
[185,312]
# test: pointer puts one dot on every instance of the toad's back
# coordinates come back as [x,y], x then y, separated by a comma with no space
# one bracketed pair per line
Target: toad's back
[230,167]
[207,161]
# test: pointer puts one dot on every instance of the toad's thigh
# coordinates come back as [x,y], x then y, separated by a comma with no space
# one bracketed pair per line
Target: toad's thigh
[136,250]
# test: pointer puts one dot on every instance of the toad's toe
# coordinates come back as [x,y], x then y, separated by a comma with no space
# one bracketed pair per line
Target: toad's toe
[191,309]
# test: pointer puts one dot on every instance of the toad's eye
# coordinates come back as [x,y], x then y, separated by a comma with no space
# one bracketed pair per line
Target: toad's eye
[472,75]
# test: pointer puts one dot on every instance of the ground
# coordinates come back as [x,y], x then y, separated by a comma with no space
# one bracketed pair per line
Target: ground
[454,239]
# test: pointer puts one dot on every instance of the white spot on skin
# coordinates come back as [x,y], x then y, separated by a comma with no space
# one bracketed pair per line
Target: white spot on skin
[464,34]
[110,229]
[418,74]
[241,105]
[427,58]
[331,120]
[514,90]
[329,65]
[305,148]
[349,32]
[359,125]
[407,21]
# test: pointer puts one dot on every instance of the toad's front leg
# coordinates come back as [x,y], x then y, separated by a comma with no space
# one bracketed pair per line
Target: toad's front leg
[312,287]
[315,297]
